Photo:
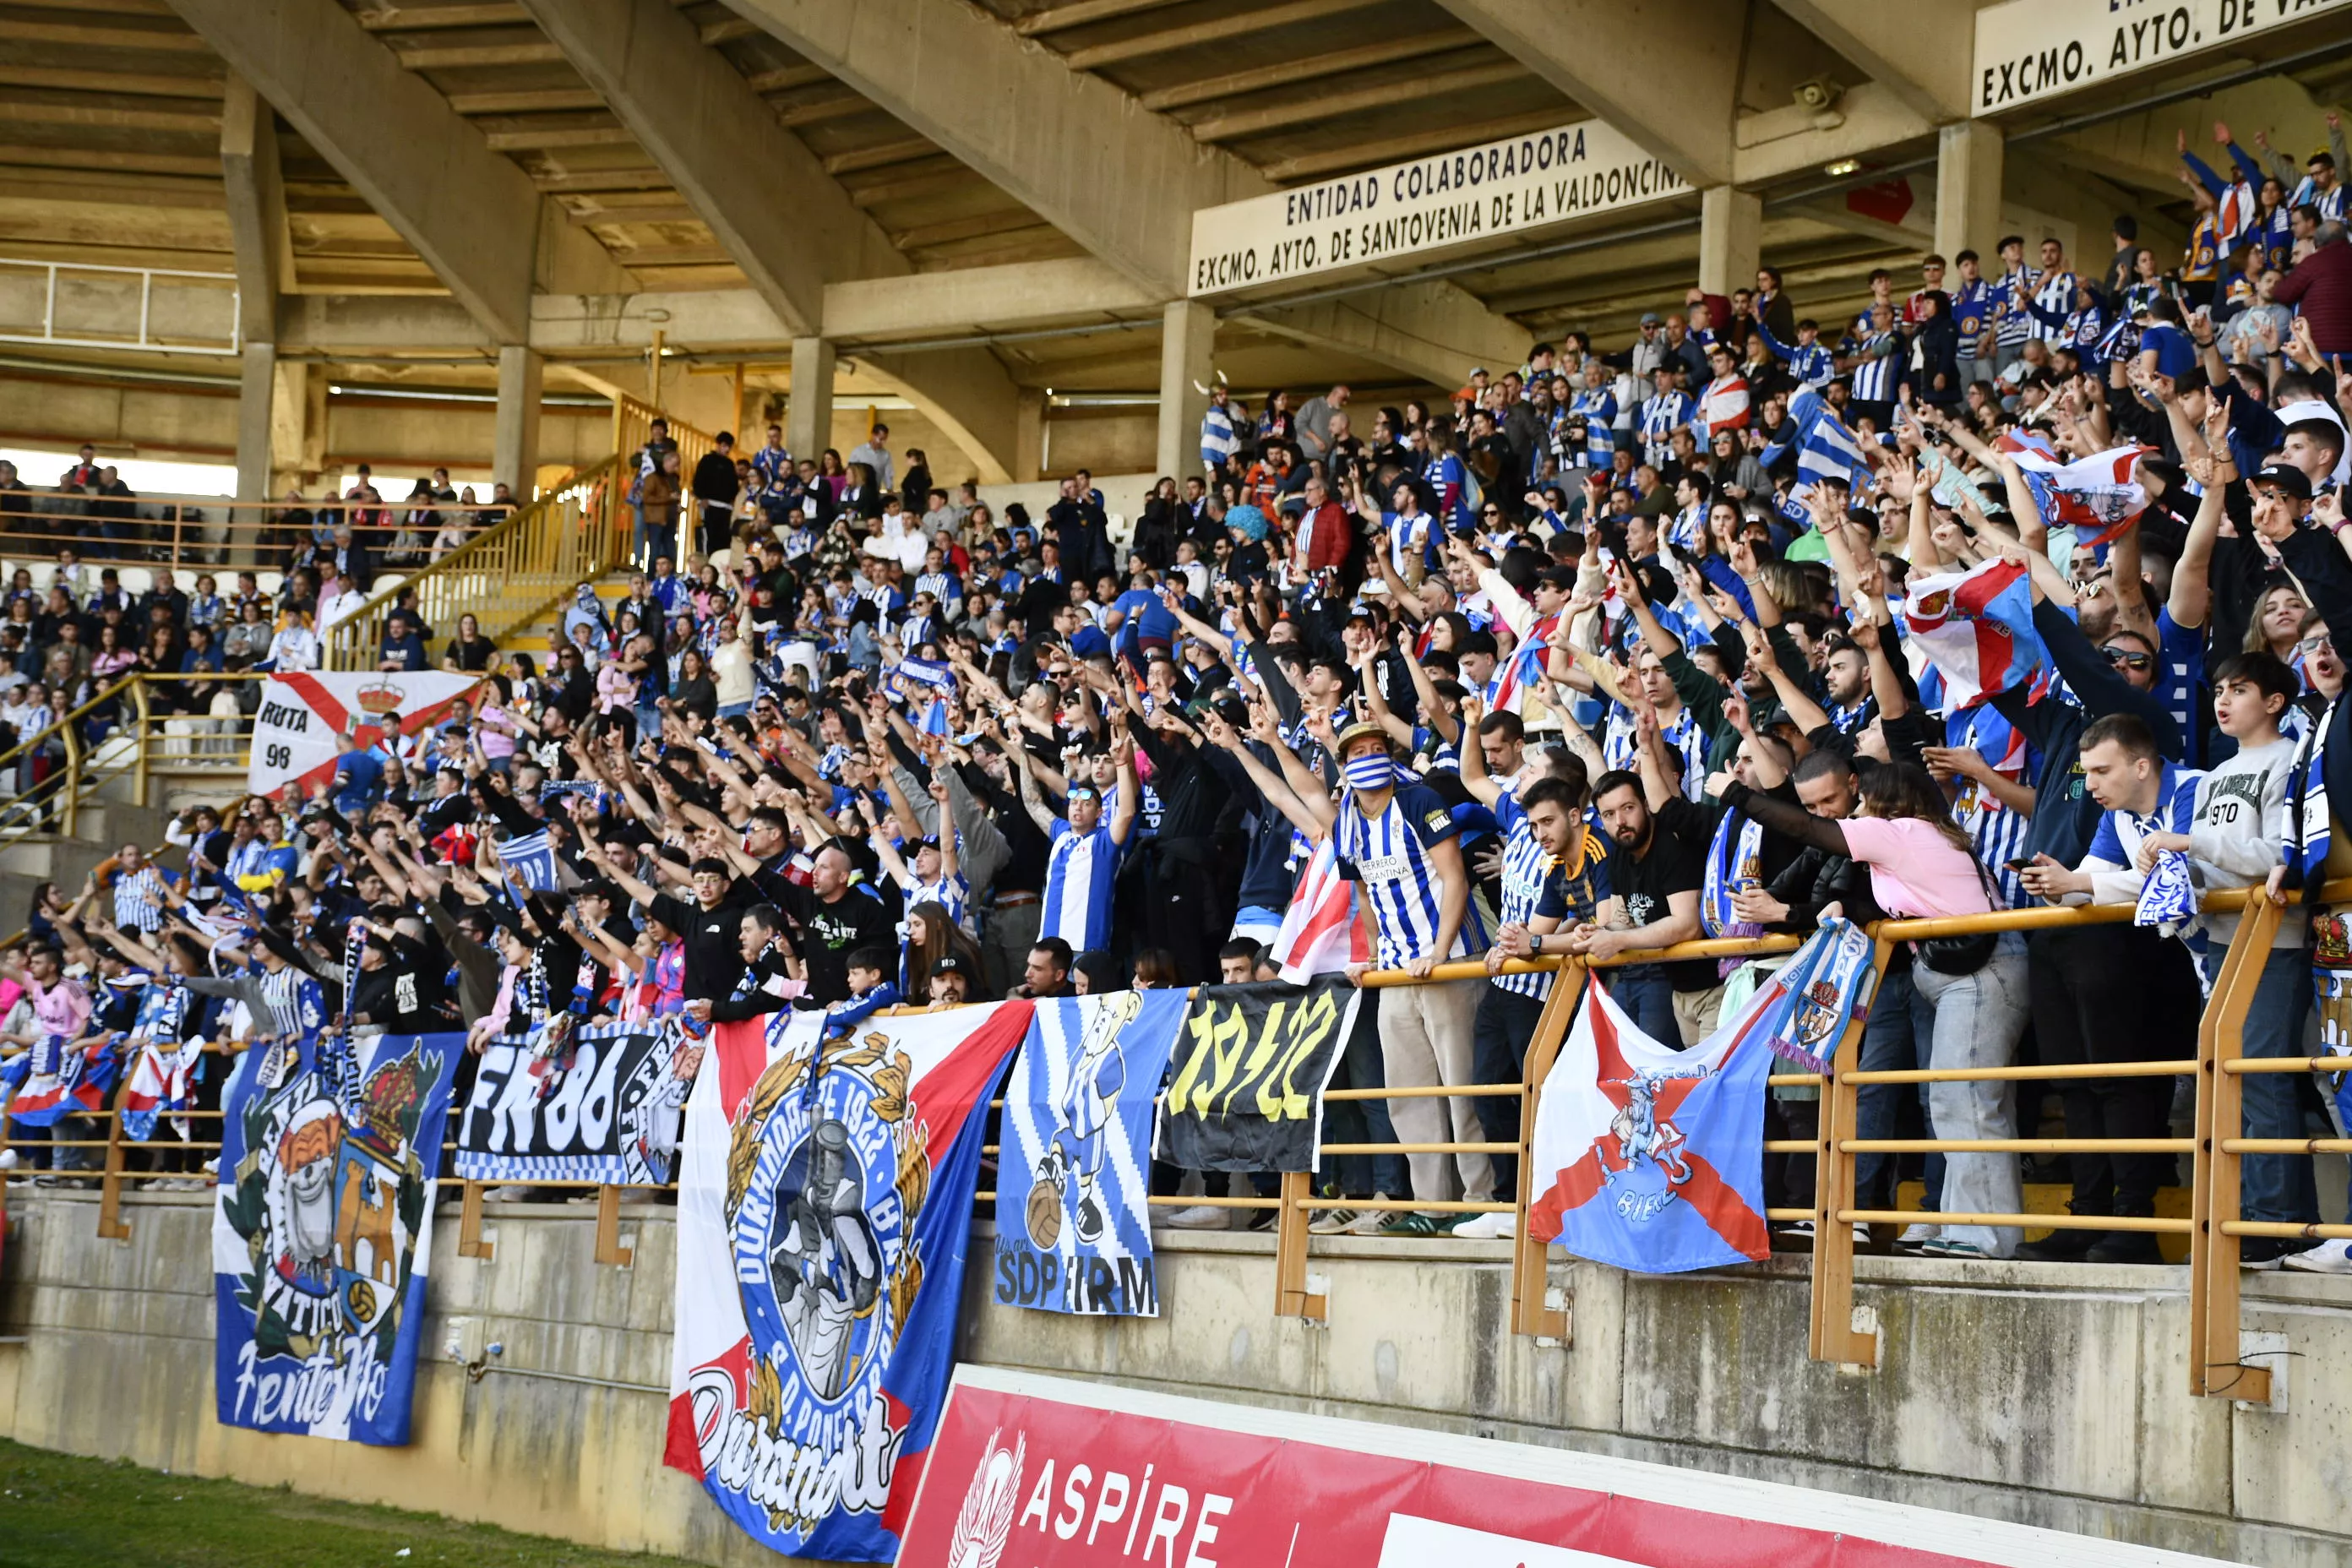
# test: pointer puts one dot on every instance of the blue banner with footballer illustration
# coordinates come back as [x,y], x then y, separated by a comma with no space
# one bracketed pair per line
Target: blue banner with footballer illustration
[1074,1177]
[323,1232]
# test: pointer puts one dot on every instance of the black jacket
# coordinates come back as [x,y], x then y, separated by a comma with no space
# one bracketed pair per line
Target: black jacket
[714,480]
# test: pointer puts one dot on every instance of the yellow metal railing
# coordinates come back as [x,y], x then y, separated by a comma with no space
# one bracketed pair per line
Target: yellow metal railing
[130,730]
[2214,1229]
[511,576]
[632,428]
[506,577]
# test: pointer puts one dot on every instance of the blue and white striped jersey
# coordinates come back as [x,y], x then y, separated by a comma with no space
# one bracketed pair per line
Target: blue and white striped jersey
[1217,438]
[1663,414]
[2054,304]
[1390,855]
[1874,378]
[2013,293]
[1078,872]
[1597,409]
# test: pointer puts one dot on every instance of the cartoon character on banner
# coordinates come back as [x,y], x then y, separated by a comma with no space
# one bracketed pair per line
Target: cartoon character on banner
[826,1175]
[1648,1164]
[1070,1170]
[330,1198]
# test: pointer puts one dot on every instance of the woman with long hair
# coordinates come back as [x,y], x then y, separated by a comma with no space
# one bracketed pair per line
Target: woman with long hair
[2276,624]
[1922,865]
[470,651]
[931,935]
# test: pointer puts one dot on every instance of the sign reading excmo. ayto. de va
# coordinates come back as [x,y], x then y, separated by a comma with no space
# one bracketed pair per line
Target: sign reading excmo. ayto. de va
[2031,49]
[1447,199]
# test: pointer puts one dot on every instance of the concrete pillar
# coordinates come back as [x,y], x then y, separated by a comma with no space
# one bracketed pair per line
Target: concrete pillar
[1968,190]
[289,427]
[1029,435]
[1731,239]
[514,449]
[257,389]
[1186,363]
[808,412]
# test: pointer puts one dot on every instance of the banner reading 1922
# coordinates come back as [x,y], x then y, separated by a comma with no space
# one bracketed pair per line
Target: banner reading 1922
[1449,198]
[1245,1091]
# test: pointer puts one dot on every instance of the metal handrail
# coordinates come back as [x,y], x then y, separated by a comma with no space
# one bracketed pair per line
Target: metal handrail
[507,577]
[2214,1236]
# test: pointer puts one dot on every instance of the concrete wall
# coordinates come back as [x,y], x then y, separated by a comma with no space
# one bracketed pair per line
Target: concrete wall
[2045,1395]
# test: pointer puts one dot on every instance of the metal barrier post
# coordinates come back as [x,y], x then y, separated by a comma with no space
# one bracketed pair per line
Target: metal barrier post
[1291,1298]
[111,1225]
[608,1230]
[2214,1170]
[145,740]
[1531,1313]
[469,1225]
[1833,1333]
[72,782]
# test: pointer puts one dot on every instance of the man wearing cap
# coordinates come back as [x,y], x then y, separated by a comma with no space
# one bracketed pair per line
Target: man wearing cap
[1084,859]
[1397,838]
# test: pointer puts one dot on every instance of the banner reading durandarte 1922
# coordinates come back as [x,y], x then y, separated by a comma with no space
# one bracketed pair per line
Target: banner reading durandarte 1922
[823,1203]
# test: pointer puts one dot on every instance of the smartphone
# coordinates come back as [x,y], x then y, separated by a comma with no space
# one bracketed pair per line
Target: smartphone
[2015,864]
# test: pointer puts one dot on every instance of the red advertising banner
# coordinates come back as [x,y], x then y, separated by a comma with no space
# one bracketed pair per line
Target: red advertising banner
[1039,1472]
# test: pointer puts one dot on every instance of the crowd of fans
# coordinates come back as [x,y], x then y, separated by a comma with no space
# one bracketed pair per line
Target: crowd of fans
[1619,649]
[92,511]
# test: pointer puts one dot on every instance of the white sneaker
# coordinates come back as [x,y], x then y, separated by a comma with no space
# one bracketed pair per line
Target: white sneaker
[1369,1223]
[1501,1226]
[2327,1257]
[510,1195]
[1331,1222]
[1915,1237]
[1198,1216]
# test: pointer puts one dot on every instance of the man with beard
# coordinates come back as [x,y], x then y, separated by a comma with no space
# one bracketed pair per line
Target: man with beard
[1657,872]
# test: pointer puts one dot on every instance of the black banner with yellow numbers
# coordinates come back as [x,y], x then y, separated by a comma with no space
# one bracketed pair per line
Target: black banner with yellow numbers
[1248,1074]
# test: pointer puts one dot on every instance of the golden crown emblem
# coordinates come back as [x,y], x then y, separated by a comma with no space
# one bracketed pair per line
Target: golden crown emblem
[381,699]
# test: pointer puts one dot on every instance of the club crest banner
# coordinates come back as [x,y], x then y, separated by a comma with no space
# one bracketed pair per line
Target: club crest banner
[598,1104]
[1651,1159]
[1250,1070]
[824,1199]
[1072,1226]
[308,720]
[323,1233]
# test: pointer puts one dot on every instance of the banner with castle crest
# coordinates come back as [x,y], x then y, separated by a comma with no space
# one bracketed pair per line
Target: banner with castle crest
[308,720]
[323,1232]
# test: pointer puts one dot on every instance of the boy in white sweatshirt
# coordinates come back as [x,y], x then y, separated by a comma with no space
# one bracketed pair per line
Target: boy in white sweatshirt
[2236,838]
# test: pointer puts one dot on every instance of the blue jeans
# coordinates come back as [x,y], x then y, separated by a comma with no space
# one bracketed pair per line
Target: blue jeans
[1901,1022]
[1647,997]
[733,710]
[2277,1187]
